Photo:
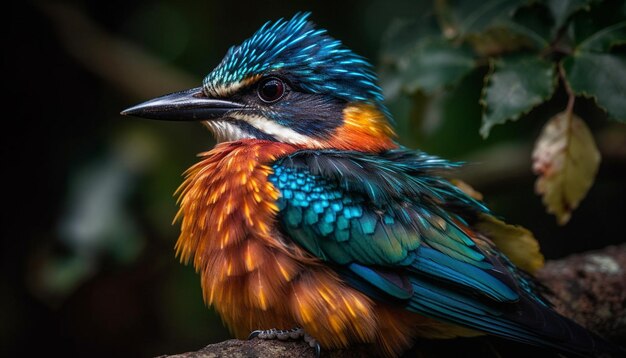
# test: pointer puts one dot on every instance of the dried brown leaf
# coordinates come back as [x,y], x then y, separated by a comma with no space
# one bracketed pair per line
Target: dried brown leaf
[566,159]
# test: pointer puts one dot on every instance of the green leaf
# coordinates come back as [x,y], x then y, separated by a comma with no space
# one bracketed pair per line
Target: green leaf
[497,26]
[534,22]
[561,10]
[513,87]
[400,39]
[528,28]
[435,63]
[504,39]
[403,35]
[601,77]
[592,70]
[566,159]
[441,123]
[463,17]
[605,39]
[600,28]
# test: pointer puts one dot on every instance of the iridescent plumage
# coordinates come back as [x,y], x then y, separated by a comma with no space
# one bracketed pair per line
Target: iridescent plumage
[309,214]
[317,62]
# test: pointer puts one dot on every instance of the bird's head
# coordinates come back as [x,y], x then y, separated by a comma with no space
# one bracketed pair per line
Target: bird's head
[290,83]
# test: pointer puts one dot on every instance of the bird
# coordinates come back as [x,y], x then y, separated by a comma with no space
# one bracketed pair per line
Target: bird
[309,218]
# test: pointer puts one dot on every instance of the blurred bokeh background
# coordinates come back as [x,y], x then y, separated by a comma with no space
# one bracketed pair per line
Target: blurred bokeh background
[88,266]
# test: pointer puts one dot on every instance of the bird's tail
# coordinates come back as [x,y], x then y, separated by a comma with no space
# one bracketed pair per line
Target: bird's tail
[528,321]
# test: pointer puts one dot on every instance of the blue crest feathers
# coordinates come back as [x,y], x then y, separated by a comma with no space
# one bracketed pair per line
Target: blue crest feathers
[314,62]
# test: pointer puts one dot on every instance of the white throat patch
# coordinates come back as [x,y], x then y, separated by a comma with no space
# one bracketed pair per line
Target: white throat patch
[226,131]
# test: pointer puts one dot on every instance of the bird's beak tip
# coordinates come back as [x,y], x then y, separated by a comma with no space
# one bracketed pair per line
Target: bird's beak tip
[182,106]
[135,111]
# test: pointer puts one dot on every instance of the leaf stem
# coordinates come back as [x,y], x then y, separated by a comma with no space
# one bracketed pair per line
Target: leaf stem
[569,116]
[556,46]
[570,93]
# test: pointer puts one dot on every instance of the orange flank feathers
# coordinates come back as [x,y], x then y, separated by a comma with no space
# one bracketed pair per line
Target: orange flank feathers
[257,279]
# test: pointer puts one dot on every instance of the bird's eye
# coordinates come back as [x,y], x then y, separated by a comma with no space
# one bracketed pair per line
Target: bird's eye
[271,89]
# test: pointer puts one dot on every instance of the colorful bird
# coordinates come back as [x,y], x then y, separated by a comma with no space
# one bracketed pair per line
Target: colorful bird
[308,216]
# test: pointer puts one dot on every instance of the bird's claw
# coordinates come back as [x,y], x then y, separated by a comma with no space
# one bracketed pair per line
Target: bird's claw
[285,334]
[254,334]
[314,344]
[280,334]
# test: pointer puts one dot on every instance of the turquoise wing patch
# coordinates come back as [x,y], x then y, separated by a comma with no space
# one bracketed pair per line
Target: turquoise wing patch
[362,238]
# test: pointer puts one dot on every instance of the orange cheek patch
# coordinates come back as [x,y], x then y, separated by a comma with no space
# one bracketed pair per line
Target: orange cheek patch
[365,128]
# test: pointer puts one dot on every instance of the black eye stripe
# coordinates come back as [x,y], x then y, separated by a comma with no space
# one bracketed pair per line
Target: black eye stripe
[271,89]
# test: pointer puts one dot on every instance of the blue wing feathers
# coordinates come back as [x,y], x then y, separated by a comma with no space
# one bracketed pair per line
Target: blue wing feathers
[389,225]
[437,264]
[362,227]
[395,289]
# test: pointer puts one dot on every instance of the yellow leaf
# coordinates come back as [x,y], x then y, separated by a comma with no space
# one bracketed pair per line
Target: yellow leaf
[566,159]
[467,189]
[516,242]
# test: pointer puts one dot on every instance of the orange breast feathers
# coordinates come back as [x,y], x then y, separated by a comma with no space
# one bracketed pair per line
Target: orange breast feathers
[256,278]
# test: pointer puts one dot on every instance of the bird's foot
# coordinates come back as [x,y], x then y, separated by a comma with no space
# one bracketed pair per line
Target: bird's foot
[314,344]
[286,334]
[280,334]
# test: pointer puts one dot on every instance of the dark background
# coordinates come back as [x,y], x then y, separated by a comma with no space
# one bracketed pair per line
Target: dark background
[88,266]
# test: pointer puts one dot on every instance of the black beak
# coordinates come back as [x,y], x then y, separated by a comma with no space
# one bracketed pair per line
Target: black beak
[189,105]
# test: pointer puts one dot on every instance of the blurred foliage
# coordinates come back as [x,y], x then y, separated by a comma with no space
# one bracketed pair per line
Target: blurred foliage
[88,266]
[524,50]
